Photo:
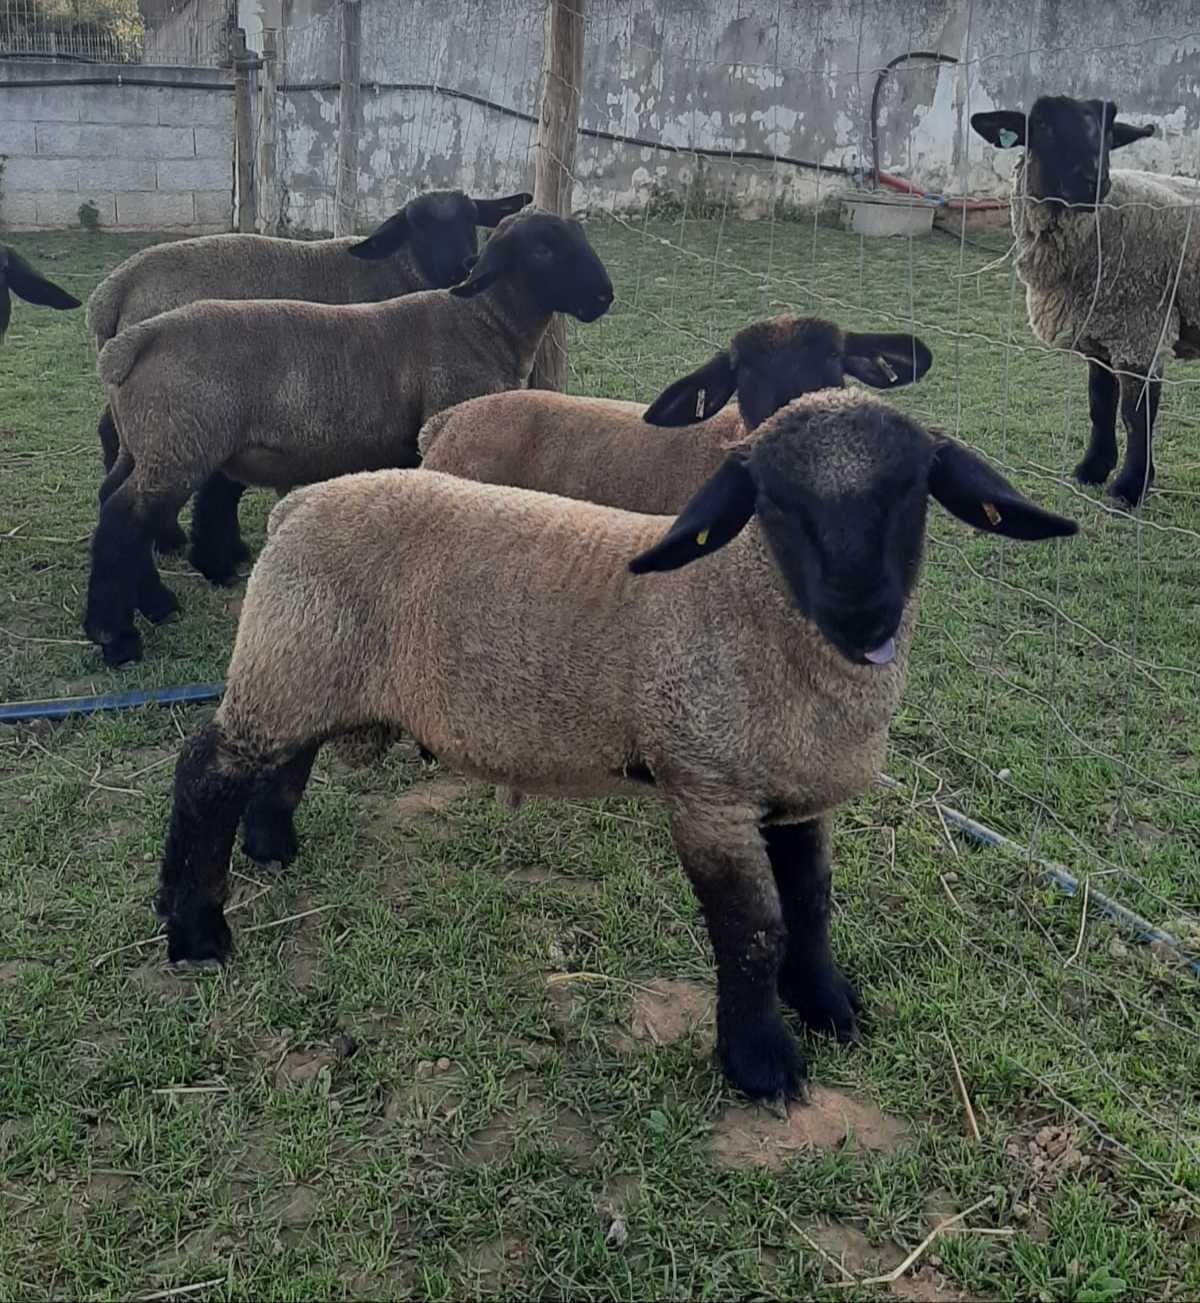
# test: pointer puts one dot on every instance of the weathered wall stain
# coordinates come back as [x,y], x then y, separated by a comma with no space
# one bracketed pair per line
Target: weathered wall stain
[792,77]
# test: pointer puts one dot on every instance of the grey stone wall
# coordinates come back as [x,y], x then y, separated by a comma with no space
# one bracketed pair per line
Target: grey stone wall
[792,77]
[149,157]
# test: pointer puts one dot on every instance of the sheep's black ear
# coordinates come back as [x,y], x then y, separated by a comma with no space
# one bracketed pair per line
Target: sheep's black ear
[1004,128]
[697,396]
[969,489]
[28,285]
[1125,133]
[487,268]
[885,361]
[491,212]
[5,306]
[716,513]
[384,240]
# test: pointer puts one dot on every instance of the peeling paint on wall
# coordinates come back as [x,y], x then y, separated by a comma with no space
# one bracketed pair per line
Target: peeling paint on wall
[789,77]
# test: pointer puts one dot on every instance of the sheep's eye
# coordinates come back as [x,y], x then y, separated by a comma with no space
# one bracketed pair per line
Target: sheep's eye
[542,253]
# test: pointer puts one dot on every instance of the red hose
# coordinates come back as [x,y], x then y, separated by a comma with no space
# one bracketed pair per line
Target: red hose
[970,205]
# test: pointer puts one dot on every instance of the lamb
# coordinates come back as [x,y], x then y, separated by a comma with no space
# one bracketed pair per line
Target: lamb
[1111,266]
[429,244]
[741,662]
[17,276]
[287,393]
[599,449]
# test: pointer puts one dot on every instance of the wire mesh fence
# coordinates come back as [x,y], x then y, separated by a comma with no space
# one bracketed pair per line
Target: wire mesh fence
[1052,693]
[177,33]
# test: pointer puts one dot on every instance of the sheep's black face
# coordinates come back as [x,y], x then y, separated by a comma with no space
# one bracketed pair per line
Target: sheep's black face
[775,361]
[845,521]
[1068,148]
[561,270]
[442,236]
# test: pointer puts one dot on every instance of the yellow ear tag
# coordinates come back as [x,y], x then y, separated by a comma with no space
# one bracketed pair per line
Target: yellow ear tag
[702,537]
[700,403]
[991,513]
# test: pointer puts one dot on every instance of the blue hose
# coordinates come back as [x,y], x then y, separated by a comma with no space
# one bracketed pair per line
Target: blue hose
[1145,931]
[61,707]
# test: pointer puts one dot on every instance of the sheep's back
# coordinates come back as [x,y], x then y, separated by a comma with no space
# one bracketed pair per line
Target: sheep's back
[238,267]
[592,449]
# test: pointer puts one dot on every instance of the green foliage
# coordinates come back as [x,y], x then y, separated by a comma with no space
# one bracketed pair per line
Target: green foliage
[89,216]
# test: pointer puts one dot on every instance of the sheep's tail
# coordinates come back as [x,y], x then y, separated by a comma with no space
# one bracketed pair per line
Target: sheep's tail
[430,431]
[122,351]
[104,309]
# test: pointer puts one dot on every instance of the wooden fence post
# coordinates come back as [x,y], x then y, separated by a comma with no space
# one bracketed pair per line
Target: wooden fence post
[243,64]
[558,127]
[266,191]
[345,201]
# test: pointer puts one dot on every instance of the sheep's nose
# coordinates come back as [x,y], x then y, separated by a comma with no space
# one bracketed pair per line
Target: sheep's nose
[605,296]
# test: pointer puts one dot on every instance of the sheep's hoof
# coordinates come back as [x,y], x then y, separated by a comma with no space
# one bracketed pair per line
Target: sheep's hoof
[1128,489]
[1093,470]
[220,571]
[159,608]
[762,1059]
[170,539]
[197,933]
[122,649]
[269,837]
[825,1001]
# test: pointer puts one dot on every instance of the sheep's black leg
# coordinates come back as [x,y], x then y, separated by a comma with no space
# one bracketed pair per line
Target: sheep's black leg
[268,833]
[213,782]
[217,544]
[1139,407]
[809,980]
[1101,455]
[167,534]
[120,559]
[110,443]
[727,864]
[154,599]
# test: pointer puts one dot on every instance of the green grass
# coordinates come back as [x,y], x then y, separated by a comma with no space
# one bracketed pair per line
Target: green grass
[386,1096]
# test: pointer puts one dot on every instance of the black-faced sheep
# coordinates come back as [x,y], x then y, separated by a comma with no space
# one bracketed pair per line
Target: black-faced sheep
[1111,266]
[428,245]
[19,278]
[600,449]
[525,640]
[285,393]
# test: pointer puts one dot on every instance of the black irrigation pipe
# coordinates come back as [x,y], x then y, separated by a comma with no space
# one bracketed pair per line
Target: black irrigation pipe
[931,55]
[594,133]
[160,82]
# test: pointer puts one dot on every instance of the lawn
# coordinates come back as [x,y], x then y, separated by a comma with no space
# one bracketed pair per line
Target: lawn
[462,1052]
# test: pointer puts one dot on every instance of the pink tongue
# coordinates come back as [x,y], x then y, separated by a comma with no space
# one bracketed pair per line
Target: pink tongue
[883,653]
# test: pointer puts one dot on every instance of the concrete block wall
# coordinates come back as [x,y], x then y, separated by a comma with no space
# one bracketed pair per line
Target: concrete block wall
[154,152]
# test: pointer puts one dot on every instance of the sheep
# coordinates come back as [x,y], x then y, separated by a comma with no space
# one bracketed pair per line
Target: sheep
[286,393]
[599,449]
[535,641]
[428,245]
[17,276]
[1111,267]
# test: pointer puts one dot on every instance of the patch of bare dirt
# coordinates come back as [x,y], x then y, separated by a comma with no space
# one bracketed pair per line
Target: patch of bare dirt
[861,1260]
[496,1262]
[534,875]
[295,1206]
[1047,1156]
[297,1067]
[750,1136]
[665,1010]
[425,799]
[14,969]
